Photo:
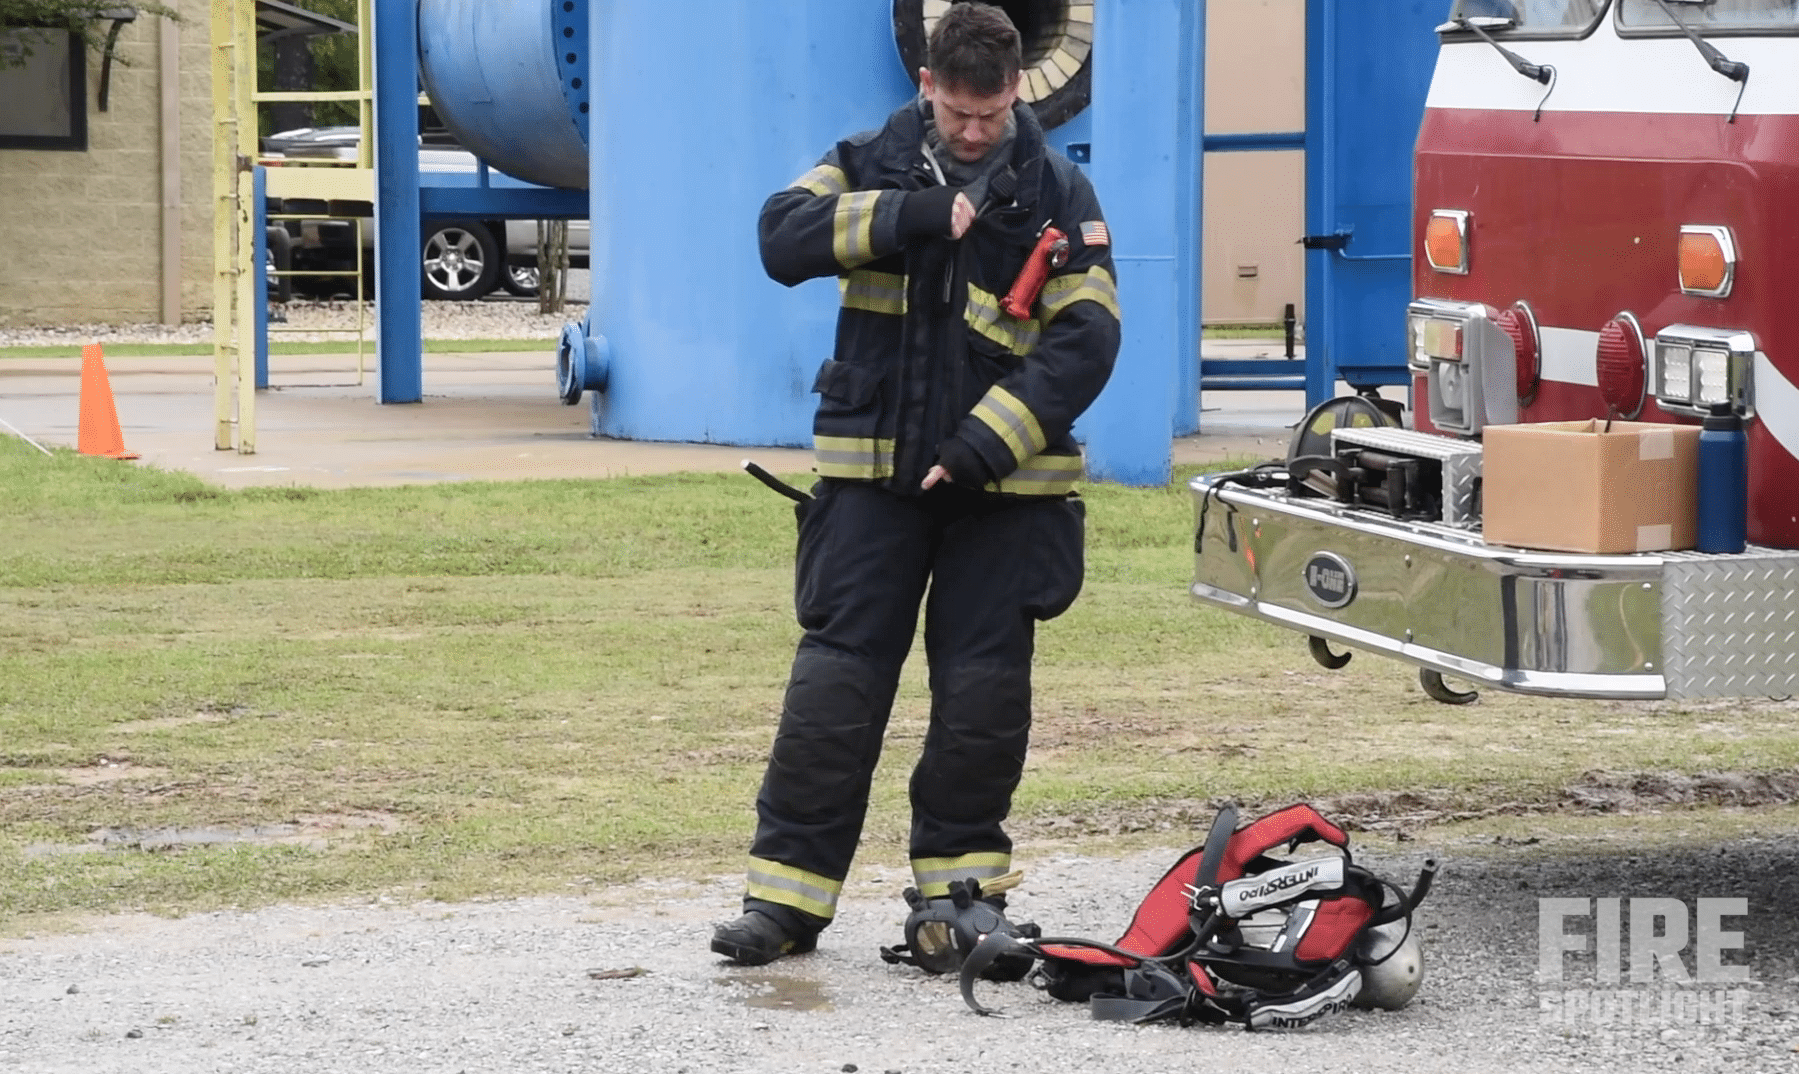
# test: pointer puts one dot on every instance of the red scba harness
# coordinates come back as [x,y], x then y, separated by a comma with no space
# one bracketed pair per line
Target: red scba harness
[1186,958]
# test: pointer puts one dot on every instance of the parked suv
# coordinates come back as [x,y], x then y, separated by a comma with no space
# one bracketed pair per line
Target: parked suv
[461,260]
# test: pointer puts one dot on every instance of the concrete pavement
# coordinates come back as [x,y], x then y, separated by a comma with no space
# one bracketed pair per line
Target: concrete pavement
[485,417]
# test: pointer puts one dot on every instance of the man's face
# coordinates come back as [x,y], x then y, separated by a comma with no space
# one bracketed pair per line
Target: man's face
[969,124]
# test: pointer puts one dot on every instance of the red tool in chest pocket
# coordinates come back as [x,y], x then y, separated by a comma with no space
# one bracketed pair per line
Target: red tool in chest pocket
[1051,252]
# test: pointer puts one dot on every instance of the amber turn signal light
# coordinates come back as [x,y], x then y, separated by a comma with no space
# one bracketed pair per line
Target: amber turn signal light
[1708,260]
[1446,241]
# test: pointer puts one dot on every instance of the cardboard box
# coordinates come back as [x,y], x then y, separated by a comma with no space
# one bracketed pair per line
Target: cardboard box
[1571,486]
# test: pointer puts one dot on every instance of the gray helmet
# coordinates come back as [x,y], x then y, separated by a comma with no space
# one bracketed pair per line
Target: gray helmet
[1392,966]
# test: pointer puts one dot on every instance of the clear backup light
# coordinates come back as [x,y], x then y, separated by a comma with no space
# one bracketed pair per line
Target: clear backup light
[1468,363]
[1432,337]
[1713,367]
[1698,367]
[1674,372]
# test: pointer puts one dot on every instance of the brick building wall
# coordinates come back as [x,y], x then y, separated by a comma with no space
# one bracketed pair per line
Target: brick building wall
[81,232]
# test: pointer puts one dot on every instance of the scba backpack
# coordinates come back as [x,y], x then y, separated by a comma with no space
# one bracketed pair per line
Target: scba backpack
[1235,935]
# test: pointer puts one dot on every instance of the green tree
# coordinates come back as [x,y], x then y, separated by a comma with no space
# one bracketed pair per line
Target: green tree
[322,62]
[89,18]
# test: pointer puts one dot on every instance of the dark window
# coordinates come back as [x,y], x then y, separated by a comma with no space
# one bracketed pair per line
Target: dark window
[1533,18]
[43,80]
[1714,17]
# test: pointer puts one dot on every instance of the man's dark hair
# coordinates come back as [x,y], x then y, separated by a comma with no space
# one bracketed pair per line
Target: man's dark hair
[974,48]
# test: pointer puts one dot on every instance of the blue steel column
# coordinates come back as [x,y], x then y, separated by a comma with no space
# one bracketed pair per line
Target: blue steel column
[399,347]
[1321,368]
[1150,194]
[1189,179]
[259,230]
[700,111]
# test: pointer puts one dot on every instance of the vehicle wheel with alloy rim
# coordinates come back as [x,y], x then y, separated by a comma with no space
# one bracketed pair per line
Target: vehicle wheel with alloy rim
[461,260]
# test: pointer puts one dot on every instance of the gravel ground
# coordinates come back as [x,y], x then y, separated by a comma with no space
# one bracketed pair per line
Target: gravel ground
[509,985]
[496,317]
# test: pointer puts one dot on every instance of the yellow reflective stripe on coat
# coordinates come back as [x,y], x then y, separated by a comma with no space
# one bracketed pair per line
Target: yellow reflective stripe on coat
[1094,285]
[985,316]
[876,292]
[1012,422]
[853,228]
[853,457]
[933,875]
[783,884]
[825,181]
[1042,475]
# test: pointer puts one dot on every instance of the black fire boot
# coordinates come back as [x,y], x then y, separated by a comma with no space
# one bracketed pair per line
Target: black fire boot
[756,939]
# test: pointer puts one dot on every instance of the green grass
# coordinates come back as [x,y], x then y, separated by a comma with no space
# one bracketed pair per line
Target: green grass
[471,689]
[178,350]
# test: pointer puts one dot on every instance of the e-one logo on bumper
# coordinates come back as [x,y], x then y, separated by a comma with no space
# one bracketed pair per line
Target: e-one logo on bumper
[1330,579]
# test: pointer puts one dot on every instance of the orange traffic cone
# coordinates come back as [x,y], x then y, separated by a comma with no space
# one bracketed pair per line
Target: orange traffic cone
[99,432]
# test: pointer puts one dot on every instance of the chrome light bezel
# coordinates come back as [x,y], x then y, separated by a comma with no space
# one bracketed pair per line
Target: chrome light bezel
[1419,316]
[1740,350]
[1460,218]
[1727,243]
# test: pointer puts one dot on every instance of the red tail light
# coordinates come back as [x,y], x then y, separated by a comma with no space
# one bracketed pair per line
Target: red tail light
[1521,326]
[1622,377]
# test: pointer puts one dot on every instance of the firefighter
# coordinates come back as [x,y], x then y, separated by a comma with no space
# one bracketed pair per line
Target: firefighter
[945,465]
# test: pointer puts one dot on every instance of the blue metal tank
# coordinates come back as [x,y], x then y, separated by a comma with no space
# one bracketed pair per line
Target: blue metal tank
[700,111]
[509,78]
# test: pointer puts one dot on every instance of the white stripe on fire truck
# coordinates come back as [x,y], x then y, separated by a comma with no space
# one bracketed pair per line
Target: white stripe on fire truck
[1777,404]
[1663,75]
[1570,355]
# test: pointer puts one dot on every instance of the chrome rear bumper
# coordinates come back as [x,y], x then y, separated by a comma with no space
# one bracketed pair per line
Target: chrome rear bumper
[1670,624]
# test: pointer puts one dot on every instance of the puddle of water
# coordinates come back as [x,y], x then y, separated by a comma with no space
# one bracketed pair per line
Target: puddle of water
[777,992]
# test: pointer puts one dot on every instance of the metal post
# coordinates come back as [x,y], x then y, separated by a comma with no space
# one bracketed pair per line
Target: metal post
[1321,371]
[224,214]
[259,235]
[1189,188]
[1141,137]
[399,344]
[249,268]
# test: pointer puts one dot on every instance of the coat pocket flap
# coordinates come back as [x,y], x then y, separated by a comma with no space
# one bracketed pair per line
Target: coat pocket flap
[849,383]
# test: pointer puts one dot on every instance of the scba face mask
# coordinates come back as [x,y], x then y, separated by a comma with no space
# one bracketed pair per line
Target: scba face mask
[940,933]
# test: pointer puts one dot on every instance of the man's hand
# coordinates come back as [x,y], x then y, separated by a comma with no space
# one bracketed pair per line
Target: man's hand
[937,474]
[961,218]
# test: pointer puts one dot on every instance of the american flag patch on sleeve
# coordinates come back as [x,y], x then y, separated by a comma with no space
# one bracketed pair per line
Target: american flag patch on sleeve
[1094,233]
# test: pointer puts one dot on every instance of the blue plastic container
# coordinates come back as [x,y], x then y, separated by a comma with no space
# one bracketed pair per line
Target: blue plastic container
[1723,482]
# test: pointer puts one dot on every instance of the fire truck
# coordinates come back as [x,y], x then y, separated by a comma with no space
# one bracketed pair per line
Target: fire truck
[1605,226]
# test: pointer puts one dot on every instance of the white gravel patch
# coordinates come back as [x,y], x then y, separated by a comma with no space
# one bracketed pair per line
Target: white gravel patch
[499,316]
[507,986]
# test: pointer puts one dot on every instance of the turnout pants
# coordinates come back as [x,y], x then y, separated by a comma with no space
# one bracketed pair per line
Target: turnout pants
[993,567]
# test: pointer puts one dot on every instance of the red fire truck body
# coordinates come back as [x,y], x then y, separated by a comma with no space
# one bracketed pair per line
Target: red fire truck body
[1577,210]
[1606,214]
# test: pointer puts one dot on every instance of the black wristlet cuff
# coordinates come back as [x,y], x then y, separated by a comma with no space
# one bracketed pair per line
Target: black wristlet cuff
[964,463]
[926,213]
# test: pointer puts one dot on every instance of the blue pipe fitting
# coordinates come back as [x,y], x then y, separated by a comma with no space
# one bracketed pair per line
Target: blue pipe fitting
[583,363]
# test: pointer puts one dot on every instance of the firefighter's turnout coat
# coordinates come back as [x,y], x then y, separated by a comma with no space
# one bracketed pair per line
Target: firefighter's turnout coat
[928,368]
[908,372]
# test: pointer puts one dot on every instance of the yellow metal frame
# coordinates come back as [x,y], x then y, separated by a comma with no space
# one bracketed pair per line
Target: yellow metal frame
[235,153]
